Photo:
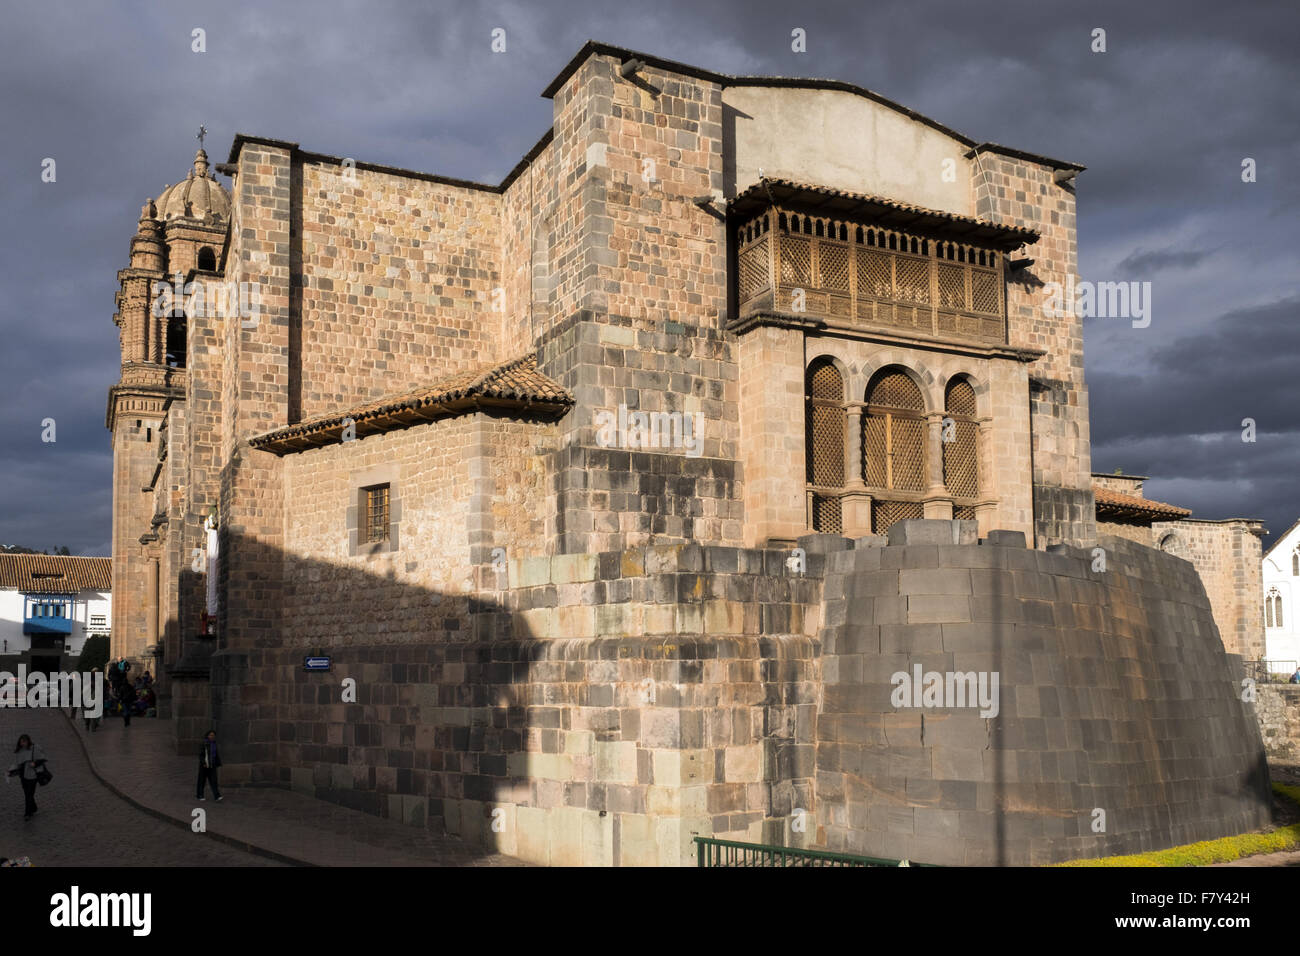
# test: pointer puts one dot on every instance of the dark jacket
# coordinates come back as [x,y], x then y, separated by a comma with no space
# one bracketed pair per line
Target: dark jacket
[203,755]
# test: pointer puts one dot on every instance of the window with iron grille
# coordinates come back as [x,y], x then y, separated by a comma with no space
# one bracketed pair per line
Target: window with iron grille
[374,512]
[376,505]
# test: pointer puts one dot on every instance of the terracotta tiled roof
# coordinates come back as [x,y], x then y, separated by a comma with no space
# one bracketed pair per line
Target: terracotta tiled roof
[515,384]
[1117,505]
[823,200]
[55,574]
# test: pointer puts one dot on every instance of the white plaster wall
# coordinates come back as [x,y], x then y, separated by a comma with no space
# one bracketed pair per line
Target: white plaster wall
[844,141]
[88,603]
[11,623]
[1283,643]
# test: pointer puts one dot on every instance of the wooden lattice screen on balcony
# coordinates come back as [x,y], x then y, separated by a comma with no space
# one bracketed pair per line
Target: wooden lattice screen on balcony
[870,276]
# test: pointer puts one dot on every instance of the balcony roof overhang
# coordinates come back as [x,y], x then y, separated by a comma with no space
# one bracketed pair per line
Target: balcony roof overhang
[876,210]
[813,325]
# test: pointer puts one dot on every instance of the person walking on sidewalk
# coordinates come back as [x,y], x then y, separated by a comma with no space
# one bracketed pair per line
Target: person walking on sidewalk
[30,763]
[209,761]
[126,694]
[92,723]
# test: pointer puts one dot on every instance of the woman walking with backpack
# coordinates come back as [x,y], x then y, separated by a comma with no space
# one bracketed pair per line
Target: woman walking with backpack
[29,767]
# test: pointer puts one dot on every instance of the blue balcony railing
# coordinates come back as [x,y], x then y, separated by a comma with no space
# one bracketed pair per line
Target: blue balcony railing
[47,625]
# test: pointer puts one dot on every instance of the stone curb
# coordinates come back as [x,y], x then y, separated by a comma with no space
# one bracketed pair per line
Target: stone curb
[176,821]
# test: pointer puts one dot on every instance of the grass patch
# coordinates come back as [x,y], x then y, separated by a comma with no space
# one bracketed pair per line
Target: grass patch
[1223,850]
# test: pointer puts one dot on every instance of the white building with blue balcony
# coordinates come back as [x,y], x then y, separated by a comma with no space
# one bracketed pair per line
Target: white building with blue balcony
[49,605]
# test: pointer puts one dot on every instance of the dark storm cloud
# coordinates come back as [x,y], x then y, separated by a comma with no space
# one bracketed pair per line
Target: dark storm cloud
[1163,120]
[1243,366]
[1144,262]
[1182,421]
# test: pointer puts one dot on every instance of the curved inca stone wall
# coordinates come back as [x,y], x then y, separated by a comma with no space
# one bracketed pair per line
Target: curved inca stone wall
[1118,725]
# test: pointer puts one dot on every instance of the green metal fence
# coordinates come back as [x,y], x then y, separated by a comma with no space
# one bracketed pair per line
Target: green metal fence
[727,853]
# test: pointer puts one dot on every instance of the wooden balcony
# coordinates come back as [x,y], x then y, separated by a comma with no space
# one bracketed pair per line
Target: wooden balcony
[871,277]
[859,261]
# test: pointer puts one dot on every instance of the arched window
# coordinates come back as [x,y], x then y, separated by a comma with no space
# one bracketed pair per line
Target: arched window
[1172,544]
[824,442]
[893,448]
[1273,609]
[176,342]
[1277,609]
[207,260]
[961,448]
[1295,562]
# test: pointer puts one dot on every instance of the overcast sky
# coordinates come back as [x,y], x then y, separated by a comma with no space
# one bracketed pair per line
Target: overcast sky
[1163,119]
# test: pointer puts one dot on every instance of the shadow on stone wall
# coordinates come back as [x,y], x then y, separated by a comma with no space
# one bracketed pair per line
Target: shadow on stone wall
[439,713]
[602,711]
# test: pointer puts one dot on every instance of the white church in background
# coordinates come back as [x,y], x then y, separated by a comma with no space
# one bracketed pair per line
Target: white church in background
[1281,590]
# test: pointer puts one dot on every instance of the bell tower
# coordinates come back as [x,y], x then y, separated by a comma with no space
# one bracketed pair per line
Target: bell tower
[178,240]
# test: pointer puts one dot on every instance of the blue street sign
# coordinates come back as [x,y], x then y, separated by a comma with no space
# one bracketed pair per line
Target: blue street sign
[315,663]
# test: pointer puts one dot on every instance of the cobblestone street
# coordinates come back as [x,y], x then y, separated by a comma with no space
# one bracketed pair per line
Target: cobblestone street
[81,822]
[87,823]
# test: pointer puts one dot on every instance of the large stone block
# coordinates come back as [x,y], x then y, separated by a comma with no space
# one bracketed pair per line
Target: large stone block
[1005,539]
[926,531]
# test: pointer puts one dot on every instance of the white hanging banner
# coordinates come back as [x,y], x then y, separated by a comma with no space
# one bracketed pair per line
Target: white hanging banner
[212,571]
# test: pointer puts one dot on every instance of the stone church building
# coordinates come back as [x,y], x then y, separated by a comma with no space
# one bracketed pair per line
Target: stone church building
[601,485]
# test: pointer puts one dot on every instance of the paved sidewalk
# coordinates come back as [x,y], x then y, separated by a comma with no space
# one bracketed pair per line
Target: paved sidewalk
[139,764]
[82,823]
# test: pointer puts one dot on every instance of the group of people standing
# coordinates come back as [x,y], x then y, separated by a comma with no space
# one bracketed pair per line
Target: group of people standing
[127,697]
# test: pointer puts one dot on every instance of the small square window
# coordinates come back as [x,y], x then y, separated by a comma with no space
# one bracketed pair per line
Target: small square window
[376,513]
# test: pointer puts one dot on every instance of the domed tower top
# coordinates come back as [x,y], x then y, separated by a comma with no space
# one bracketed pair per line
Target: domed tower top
[198,196]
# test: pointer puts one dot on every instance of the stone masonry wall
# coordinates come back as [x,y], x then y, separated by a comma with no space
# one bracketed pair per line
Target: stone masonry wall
[1115,694]
[1278,707]
[624,703]
[527,211]
[638,294]
[395,277]
[429,494]
[1137,533]
[255,398]
[458,489]
[1229,559]
[135,454]
[1022,193]
[772,454]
